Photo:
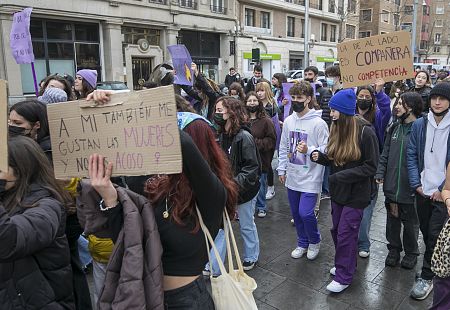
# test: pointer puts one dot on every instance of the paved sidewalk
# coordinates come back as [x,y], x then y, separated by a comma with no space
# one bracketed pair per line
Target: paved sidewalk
[287,283]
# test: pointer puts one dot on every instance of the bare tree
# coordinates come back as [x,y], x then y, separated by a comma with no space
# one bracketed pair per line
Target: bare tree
[344,12]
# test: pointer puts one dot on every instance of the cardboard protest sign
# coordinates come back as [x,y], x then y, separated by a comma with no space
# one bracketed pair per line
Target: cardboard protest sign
[3,126]
[20,37]
[136,131]
[182,64]
[386,56]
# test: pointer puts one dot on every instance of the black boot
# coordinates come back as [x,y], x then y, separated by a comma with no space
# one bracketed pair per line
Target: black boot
[409,261]
[392,259]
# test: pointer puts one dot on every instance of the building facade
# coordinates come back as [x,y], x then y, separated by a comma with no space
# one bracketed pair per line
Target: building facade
[379,17]
[122,40]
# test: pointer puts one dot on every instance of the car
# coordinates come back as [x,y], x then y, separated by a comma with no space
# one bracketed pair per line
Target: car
[292,75]
[115,86]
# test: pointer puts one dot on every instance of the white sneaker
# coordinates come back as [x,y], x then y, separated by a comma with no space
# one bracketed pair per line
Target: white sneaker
[313,251]
[292,222]
[336,287]
[364,254]
[270,192]
[333,271]
[298,252]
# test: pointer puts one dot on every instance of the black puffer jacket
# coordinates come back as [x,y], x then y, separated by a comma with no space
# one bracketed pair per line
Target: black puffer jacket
[323,96]
[35,270]
[246,162]
[424,92]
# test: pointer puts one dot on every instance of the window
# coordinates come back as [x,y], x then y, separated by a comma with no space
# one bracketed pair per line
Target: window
[290,26]
[350,31]
[302,35]
[397,2]
[437,38]
[366,15]
[396,19]
[323,32]
[406,27]
[439,10]
[423,45]
[425,10]
[250,17]
[316,4]
[331,6]
[437,49]
[218,6]
[351,6]
[364,34]
[333,31]
[425,27]
[438,23]
[265,20]
[188,4]
[385,16]
[408,10]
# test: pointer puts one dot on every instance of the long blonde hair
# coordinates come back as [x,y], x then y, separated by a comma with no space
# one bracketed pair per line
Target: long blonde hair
[268,90]
[343,144]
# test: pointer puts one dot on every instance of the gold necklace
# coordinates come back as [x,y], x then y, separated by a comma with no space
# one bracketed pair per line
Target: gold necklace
[166,212]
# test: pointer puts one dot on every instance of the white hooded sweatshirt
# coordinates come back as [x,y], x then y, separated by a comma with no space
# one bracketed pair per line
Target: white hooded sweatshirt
[302,174]
[433,173]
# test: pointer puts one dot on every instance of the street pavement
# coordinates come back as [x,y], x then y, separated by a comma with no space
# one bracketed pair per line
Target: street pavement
[285,283]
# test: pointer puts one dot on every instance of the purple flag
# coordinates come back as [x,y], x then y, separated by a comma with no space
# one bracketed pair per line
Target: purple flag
[20,37]
[182,64]
[287,107]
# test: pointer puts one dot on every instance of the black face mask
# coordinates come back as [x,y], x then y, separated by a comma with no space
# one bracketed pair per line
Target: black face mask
[364,104]
[18,131]
[218,119]
[298,106]
[439,114]
[251,109]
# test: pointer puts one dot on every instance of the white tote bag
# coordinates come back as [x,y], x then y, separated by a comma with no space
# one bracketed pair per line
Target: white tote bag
[232,290]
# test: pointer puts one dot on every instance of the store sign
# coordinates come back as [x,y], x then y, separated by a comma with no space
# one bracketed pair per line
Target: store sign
[325,59]
[248,55]
[386,56]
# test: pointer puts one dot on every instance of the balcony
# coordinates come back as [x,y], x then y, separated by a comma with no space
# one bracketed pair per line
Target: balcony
[189,4]
[258,30]
[313,4]
[218,9]
[158,1]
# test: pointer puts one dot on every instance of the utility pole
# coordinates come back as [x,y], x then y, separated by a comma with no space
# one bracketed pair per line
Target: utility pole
[306,39]
[414,29]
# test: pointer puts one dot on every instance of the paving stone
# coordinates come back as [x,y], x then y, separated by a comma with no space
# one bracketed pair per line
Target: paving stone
[266,280]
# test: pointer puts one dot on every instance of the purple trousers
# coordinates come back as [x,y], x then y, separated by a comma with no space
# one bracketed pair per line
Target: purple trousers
[346,222]
[302,209]
[441,294]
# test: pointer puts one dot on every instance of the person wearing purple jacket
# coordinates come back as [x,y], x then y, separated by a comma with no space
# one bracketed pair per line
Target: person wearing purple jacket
[375,106]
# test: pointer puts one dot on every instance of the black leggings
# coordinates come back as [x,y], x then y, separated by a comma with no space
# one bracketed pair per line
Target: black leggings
[270,177]
[193,296]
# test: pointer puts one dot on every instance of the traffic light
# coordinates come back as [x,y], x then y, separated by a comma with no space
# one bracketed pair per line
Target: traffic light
[255,55]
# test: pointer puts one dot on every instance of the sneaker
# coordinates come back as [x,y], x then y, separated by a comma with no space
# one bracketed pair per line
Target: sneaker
[409,261]
[313,251]
[298,252]
[336,287]
[392,259]
[324,196]
[421,289]
[333,271]
[292,222]
[364,254]
[270,192]
[247,265]
[262,213]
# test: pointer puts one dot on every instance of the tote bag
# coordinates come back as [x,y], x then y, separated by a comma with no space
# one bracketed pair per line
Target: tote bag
[440,261]
[232,290]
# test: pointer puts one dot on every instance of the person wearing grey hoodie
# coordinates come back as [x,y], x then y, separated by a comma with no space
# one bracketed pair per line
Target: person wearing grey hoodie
[428,155]
[303,131]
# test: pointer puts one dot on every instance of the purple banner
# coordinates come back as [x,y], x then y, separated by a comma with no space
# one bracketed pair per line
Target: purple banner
[276,124]
[181,60]
[20,37]
[287,107]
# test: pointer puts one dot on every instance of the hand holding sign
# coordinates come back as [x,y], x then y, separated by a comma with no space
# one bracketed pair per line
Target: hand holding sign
[101,179]
[379,84]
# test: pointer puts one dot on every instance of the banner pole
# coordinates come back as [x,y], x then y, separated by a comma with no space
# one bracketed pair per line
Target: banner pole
[34,79]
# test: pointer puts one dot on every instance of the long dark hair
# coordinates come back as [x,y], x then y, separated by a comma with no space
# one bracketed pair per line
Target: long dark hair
[371,113]
[34,111]
[281,78]
[65,82]
[238,88]
[87,89]
[261,112]
[412,100]
[30,166]
[236,112]
[177,185]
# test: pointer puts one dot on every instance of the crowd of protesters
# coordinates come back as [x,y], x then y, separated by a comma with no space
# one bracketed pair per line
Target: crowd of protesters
[323,142]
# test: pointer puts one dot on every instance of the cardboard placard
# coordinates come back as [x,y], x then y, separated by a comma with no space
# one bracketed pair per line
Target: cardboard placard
[386,56]
[3,126]
[136,131]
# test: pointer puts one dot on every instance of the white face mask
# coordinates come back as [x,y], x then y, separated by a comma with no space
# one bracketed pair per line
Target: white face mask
[330,82]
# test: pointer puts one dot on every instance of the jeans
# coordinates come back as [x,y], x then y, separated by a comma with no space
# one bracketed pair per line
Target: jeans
[346,222]
[364,229]
[193,296]
[326,175]
[261,198]
[302,209]
[249,233]
[85,256]
[220,243]
[407,216]
[432,216]
[99,273]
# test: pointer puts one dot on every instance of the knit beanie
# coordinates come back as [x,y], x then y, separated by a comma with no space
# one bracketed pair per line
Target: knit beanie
[344,101]
[89,75]
[53,95]
[441,89]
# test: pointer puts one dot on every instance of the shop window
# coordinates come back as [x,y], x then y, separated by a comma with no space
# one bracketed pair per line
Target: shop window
[59,31]
[86,33]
